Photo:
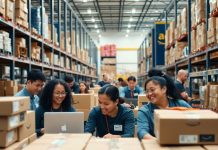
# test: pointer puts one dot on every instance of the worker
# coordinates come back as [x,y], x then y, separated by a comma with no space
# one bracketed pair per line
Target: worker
[122,83]
[132,90]
[56,97]
[104,81]
[83,88]
[34,84]
[161,92]
[110,118]
[180,81]
[74,86]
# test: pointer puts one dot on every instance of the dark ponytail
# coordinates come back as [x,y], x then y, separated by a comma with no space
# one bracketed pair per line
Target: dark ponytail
[159,77]
[112,92]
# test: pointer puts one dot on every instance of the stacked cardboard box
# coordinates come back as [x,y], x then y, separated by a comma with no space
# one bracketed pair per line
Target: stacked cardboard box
[95,89]
[12,116]
[167,42]
[21,13]
[154,145]
[179,47]
[200,10]
[9,10]
[171,32]
[2,8]
[184,23]
[56,60]
[35,51]
[110,70]
[178,27]
[201,36]
[21,50]
[210,147]
[213,99]
[108,50]
[48,57]
[5,42]
[186,127]
[193,14]
[142,100]
[193,39]
[116,143]
[60,142]
[213,5]
[9,88]
[211,33]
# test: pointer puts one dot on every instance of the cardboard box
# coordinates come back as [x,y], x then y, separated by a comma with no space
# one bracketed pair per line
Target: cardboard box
[154,145]
[116,143]
[10,83]
[60,142]
[95,89]
[186,127]
[8,137]
[11,122]
[18,145]
[2,82]
[11,91]
[86,113]
[83,101]
[13,105]
[135,111]
[142,99]
[211,147]
[32,138]
[28,128]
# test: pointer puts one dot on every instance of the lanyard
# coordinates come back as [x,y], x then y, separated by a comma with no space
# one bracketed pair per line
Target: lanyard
[107,124]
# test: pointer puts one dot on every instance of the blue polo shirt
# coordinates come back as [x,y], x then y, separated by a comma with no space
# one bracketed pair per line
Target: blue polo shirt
[127,93]
[145,120]
[34,99]
[122,124]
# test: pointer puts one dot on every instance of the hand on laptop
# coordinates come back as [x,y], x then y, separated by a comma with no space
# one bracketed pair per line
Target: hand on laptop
[111,136]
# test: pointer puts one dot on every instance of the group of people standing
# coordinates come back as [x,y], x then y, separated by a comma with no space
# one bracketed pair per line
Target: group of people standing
[111,119]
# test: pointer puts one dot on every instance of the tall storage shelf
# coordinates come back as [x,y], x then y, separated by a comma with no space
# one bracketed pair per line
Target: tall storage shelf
[191,44]
[49,37]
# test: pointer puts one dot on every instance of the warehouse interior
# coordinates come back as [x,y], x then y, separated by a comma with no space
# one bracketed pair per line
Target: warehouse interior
[109,74]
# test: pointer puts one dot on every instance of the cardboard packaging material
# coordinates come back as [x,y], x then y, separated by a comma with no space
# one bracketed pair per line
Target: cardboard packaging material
[135,111]
[154,145]
[28,128]
[8,137]
[210,147]
[60,142]
[11,91]
[13,105]
[116,143]
[32,138]
[86,113]
[83,101]
[95,89]
[18,145]
[10,83]
[11,122]
[186,127]
[142,99]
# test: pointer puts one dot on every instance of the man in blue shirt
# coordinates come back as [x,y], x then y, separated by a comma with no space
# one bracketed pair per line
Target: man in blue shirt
[34,84]
[73,85]
[104,81]
[132,90]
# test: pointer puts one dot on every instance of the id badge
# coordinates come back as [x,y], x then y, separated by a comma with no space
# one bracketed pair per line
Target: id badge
[136,94]
[118,127]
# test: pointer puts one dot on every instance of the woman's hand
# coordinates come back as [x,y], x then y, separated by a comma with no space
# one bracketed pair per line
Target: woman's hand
[111,136]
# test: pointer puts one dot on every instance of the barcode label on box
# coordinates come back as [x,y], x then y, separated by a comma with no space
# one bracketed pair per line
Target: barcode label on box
[15,106]
[10,136]
[13,121]
[188,139]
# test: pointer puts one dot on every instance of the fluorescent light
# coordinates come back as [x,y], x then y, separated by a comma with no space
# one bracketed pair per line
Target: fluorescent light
[130,19]
[127,31]
[127,35]
[129,25]
[97,31]
[133,10]
[99,35]
[93,19]
[89,11]
[96,26]
[84,1]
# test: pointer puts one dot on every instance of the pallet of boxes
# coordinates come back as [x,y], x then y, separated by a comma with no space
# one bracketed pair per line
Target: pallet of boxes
[17,128]
[21,50]
[21,14]
[9,10]
[8,88]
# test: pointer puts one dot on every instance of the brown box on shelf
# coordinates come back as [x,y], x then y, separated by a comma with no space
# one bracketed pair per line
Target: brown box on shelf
[18,145]
[83,101]
[154,145]
[193,14]
[86,113]
[32,138]
[2,7]
[10,83]
[213,5]
[184,21]
[11,91]
[213,102]
[171,34]
[77,141]
[9,10]
[201,36]
[193,39]
[191,127]
[21,14]
[142,99]
[13,105]
[20,42]
[200,10]
[11,122]
[8,137]
[28,128]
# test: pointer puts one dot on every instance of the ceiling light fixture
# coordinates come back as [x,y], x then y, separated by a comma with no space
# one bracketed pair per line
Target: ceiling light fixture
[129,25]
[127,35]
[127,31]
[130,19]
[98,31]
[133,10]
[96,26]
[84,1]
[93,19]
[99,35]
[89,11]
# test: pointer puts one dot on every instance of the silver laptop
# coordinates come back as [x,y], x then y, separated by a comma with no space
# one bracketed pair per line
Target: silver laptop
[64,122]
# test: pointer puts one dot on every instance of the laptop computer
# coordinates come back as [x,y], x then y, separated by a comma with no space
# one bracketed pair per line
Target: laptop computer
[133,101]
[64,122]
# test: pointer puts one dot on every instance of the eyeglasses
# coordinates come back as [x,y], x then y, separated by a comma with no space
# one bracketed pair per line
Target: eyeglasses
[149,91]
[60,94]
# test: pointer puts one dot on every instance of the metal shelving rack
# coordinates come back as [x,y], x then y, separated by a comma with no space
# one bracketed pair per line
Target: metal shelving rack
[204,68]
[61,13]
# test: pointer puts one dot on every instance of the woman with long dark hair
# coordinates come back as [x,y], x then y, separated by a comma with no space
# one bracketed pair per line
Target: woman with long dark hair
[56,97]
[110,118]
[161,92]
[83,88]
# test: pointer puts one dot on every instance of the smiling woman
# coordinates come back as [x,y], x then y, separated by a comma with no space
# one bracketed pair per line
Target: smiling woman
[110,119]
[56,97]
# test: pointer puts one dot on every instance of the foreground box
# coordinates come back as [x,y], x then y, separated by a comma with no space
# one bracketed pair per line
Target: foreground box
[8,137]
[60,142]
[210,147]
[83,101]
[13,105]
[186,127]
[116,143]
[154,145]
[142,100]
[18,145]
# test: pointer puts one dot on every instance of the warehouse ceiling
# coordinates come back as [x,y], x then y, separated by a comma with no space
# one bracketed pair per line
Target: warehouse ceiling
[123,15]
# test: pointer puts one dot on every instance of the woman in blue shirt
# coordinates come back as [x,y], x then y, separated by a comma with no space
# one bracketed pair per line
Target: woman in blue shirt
[161,92]
[56,97]
[110,118]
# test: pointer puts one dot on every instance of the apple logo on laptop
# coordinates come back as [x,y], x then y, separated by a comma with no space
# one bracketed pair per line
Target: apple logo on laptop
[64,128]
